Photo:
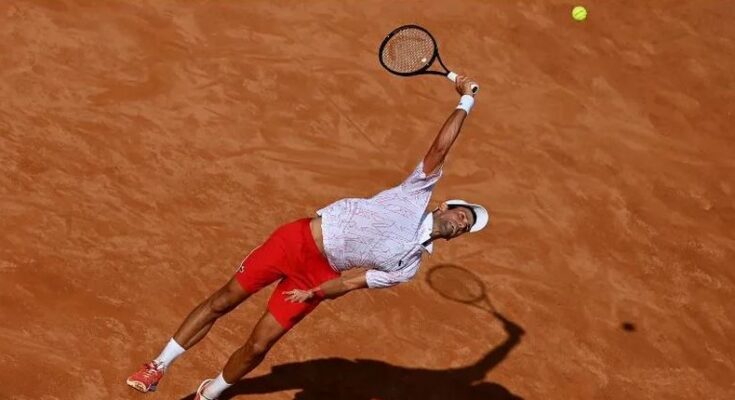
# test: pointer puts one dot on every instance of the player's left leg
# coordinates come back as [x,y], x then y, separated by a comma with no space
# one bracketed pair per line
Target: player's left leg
[203,317]
[259,269]
[191,331]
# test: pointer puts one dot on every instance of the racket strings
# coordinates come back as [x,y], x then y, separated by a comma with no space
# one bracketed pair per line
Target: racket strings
[408,50]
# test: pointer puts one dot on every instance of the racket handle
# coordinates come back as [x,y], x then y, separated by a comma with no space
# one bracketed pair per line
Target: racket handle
[453,77]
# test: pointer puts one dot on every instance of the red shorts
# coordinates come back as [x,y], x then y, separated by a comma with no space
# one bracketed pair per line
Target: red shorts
[291,256]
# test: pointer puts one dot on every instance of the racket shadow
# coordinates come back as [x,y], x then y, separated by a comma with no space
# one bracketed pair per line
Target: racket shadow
[460,285]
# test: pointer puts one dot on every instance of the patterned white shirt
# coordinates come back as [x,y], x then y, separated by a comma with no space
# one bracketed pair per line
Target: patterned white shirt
[383,233]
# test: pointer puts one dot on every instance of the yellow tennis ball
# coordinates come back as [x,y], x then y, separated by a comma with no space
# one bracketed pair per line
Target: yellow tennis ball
[579,13]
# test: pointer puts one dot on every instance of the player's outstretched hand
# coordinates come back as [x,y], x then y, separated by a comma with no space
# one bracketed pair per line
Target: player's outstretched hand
[298,296]
[464,85]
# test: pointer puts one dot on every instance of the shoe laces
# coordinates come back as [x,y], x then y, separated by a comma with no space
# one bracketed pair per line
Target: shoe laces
[152,369]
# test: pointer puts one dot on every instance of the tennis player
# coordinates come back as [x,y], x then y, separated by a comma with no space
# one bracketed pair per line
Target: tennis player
[386,235]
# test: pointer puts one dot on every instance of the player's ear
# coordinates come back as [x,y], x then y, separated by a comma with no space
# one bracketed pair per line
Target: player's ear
[443,207]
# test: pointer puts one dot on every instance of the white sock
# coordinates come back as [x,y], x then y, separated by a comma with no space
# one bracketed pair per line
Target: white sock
[169,353]
[216,387]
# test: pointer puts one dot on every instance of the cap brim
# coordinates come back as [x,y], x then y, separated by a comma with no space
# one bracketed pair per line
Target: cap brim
[482,217]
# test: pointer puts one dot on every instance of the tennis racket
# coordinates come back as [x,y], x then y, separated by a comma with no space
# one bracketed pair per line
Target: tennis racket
[411,50]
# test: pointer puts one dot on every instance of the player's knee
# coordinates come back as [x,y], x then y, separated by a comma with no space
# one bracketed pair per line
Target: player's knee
[258,347]
[224,301]
[219,305]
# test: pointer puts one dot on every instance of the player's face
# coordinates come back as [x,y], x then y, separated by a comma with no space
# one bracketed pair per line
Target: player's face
[455,222]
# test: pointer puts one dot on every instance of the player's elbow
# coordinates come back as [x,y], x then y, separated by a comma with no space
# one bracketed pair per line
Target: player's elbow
[438,151]
[432,161]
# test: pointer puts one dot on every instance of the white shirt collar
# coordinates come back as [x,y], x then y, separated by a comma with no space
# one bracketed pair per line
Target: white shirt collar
[427,225]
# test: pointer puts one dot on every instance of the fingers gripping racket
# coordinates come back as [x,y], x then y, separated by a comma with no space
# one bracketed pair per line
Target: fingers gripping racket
[411,50]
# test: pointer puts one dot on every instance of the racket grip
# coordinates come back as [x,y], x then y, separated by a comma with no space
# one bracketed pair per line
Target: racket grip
[453,77]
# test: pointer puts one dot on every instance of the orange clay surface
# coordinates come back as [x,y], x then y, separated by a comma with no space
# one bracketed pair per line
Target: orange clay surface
[147,146]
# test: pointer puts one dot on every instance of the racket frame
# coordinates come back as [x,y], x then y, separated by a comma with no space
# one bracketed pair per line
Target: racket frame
[424,70]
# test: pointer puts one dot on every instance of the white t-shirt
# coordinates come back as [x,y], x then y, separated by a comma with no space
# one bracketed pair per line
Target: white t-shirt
[383,233]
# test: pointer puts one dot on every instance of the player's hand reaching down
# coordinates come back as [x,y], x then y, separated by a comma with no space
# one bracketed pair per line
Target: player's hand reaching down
[464,85]
[298,296]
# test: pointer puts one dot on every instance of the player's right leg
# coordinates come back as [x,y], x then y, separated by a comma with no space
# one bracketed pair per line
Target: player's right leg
[265,334]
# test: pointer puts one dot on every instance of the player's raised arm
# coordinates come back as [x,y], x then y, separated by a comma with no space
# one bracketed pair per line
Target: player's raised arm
[450,130]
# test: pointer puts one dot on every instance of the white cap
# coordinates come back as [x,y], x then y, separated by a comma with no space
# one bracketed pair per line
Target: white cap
[481,214]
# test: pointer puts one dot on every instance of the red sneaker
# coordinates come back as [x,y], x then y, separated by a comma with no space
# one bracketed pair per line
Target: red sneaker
[147,377]
[200,391]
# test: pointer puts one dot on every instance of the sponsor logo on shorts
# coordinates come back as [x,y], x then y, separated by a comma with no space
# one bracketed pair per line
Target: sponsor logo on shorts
[241,268]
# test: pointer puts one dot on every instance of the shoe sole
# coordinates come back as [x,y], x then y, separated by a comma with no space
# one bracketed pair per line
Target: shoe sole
[140,386]
[200,389]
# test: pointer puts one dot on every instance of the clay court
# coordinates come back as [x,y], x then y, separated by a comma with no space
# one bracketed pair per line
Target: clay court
[148,146]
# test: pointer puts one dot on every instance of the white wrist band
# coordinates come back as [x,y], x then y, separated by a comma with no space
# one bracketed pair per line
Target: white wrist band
[465,103]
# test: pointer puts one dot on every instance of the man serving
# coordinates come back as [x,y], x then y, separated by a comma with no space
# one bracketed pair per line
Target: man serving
[386,234]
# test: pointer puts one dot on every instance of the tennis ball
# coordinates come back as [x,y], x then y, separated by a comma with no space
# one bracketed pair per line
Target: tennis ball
[579,13]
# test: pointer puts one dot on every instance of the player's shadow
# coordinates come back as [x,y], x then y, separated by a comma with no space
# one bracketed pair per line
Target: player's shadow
[339,378]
